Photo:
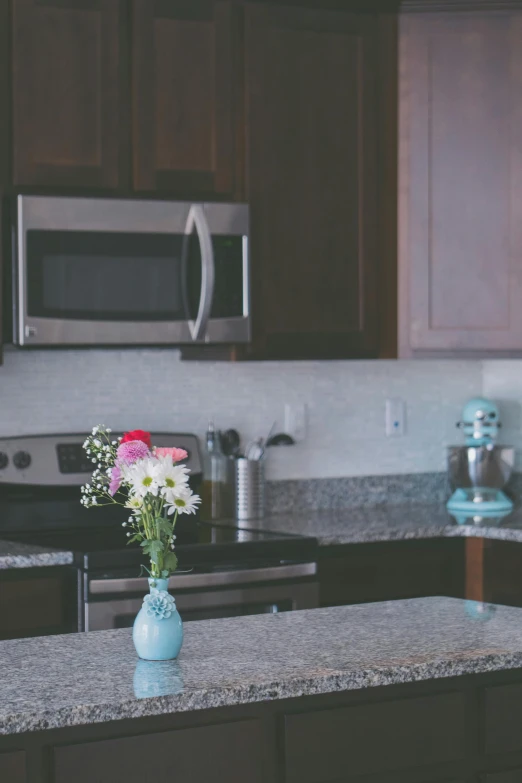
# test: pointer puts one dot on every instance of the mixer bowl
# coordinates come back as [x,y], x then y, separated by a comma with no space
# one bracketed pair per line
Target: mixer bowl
[480,466]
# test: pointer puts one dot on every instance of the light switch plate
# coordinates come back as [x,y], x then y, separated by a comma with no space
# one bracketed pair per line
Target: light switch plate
[395,417]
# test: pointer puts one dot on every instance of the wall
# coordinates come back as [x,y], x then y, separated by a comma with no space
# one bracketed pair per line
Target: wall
[67,391]
[502,381]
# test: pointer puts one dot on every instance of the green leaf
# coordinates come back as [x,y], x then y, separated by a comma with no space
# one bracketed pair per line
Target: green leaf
[135,537]
[164,526]
[170,562]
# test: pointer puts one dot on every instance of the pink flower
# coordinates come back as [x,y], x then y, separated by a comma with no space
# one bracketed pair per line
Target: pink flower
[115,482]
[177,455]
[130,452]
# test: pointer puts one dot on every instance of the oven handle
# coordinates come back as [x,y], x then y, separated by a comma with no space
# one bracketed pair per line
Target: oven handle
[196,219]
[216,579]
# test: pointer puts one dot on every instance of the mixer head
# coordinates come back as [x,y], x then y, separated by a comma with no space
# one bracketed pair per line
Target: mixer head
[480,422]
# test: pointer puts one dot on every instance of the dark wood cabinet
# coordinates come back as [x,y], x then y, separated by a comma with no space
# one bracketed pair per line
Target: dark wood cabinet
[185,88]
[511,776]
[361,573]
[229,752]
[311,117]
[66,93]
[38,602]
[494,571]
[330,745]
[12,767]
[461,182]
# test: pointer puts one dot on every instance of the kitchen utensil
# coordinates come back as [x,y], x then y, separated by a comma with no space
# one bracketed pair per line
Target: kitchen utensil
[230,443]
[281,439]
[255,450]
[480,469]
[250,489]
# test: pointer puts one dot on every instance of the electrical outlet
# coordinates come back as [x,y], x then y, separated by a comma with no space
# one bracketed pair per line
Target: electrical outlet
[395,417]
[296,421]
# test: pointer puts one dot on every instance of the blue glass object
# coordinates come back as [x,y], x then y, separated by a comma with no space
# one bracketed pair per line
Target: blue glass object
[158,631]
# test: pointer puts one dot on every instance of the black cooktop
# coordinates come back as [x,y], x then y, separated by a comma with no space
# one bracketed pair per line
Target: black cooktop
[97,538]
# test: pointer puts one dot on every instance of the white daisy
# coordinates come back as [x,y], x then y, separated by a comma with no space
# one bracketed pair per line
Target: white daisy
[169,476]
[134,502]
[141,478]
[184,502]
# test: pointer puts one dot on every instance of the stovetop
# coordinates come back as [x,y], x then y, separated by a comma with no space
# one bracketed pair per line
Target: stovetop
[97,538]
[40,478]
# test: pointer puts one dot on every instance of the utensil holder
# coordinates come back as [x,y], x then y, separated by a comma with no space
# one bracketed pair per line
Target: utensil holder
[250,489]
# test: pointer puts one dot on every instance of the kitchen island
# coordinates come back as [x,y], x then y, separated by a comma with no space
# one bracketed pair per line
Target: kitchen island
[424,689]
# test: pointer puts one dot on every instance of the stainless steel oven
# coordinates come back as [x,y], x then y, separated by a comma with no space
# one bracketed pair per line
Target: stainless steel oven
[91,271]
[114,603]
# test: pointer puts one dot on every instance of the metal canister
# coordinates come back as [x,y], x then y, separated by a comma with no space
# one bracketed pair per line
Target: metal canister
[250,489]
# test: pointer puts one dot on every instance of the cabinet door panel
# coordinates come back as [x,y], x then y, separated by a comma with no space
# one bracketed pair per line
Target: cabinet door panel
[230,752]
[461,182]
[338,744]
[66,93]
[12,767]
[503,719]
[311,104]
[511,776]
[183,96]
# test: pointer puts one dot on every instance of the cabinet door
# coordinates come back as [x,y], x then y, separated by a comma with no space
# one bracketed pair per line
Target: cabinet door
[45,601]
[183,97]
[461,183]
[66,95]
[12,767]
[311,120]
[225,753]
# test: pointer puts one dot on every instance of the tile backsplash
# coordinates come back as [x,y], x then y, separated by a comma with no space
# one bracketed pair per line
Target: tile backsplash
[502,381]
[70,390]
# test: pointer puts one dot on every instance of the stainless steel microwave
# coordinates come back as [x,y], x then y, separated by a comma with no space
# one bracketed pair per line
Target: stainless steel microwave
[93,271]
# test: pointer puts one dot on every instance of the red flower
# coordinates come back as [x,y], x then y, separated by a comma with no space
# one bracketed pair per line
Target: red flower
[138,435]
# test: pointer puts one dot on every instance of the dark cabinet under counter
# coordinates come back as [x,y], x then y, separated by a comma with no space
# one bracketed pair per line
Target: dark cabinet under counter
[38,602]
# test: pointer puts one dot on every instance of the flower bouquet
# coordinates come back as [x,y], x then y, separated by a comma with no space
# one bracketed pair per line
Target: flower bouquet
[153,487]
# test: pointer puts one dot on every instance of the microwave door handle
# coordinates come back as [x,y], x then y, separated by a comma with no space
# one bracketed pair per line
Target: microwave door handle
[196,219]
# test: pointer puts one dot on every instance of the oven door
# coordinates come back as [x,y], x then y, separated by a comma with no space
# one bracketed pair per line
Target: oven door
[108,272]
[114,603]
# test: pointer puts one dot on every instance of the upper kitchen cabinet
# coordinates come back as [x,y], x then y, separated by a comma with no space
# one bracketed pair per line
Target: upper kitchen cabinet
[185,85]
[66,93]
[460,258]
[311,118]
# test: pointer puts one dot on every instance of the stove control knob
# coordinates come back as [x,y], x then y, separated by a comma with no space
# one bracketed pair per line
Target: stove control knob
[4,460]
[22,460]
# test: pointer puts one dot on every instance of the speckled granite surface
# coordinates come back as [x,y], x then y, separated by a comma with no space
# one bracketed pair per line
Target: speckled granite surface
[59,681]
[356,491]
[16,555]
[386,523]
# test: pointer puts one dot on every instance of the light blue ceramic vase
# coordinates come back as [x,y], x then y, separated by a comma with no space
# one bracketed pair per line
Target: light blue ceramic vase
[158,631]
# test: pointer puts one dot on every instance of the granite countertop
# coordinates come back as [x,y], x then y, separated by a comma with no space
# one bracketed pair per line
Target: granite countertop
[57,681]
[330,527]
[16,555]
[366,524]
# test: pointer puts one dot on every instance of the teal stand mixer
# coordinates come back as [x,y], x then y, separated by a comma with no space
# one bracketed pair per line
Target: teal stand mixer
[479,470]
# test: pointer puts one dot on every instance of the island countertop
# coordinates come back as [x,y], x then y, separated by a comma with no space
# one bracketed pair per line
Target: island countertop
[59,681]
